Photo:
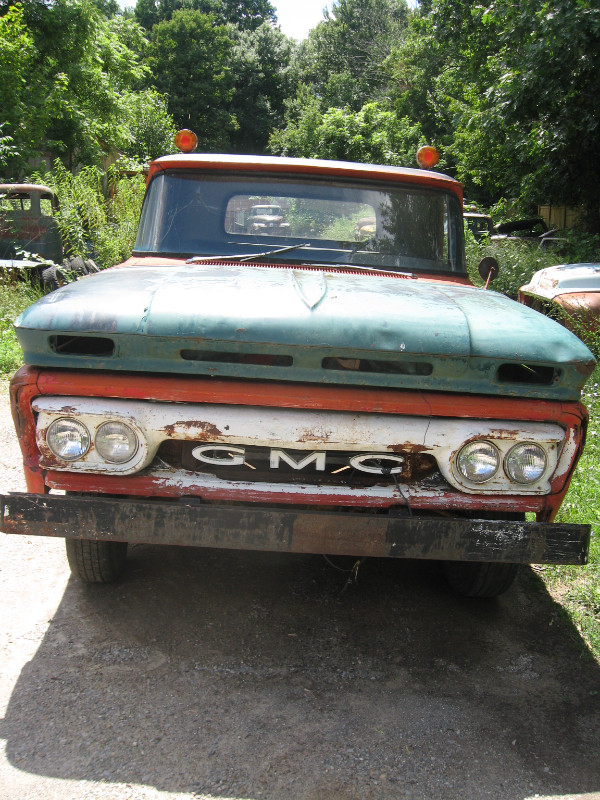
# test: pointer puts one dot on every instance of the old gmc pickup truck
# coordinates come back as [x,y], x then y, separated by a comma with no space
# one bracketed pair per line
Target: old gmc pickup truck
[328,386]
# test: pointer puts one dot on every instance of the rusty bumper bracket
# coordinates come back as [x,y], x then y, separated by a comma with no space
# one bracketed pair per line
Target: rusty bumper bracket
[289,530]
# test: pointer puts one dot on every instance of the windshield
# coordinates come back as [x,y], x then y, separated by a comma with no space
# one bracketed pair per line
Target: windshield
[396,227]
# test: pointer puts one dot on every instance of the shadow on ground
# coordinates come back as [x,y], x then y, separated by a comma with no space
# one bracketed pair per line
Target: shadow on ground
[251,675]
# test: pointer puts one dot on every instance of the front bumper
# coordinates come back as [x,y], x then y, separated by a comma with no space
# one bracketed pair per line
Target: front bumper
[296,531]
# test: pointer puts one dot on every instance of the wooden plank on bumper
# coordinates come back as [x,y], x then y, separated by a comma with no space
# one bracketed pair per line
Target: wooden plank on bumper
[288,530]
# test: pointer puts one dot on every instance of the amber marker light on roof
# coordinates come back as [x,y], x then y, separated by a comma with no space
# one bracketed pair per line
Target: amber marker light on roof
[186,141]
[427,157]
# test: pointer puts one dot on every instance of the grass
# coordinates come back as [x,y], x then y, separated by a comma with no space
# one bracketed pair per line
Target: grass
[578,588]
[14,297]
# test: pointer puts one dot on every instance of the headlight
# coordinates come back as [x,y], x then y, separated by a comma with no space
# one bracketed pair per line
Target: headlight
[478,461]
[525,463]
[116,442]
[68,439]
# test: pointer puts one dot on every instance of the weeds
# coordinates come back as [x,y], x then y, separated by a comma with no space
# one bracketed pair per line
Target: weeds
[98,213]
[517,262]
[579,587]
[14,298]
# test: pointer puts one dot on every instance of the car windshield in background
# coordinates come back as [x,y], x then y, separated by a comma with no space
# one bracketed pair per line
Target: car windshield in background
[397,227]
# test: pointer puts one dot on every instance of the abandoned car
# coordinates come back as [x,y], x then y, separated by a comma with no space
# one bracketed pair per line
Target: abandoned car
[296,389]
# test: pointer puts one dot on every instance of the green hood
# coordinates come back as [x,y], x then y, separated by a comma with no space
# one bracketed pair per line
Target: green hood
[304,325]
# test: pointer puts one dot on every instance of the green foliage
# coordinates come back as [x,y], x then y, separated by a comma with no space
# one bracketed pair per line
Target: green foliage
[189,58]
[15,296]
[343,56]
[522,86]
[579,587]
[247,15]
[517,262]
[264,76]
[7,150]
[150,128]
[115,238]
[372,135]
[23,113]
[94,223]
[66,71]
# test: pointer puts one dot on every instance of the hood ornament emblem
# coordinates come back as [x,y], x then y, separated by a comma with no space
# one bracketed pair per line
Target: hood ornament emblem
[311,286]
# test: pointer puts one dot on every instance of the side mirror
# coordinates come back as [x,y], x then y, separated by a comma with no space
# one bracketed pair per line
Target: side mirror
[488,269]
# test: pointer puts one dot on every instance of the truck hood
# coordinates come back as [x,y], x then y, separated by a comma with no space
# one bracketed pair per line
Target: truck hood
[295,324]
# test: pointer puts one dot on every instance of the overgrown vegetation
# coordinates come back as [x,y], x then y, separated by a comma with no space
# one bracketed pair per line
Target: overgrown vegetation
[99,212]
[14,298]
[578,588]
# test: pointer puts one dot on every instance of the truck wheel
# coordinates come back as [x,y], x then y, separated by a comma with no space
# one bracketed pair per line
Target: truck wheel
[95,561]
[51,279]
[75,265]
[479,578]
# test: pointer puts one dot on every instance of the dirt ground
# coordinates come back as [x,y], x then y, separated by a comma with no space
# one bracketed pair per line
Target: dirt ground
[214,674]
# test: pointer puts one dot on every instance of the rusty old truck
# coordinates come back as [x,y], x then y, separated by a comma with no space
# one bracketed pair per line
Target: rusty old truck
[323,387]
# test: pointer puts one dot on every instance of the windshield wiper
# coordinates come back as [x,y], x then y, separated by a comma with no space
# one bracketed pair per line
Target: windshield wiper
[248,257]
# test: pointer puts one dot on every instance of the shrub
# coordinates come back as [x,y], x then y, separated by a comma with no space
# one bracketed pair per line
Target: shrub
[14,297]
[98,211]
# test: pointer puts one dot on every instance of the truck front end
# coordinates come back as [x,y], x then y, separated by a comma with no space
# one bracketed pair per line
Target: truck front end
[333,384]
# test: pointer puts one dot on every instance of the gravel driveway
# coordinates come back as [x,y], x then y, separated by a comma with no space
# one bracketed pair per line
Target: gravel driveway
[214,674]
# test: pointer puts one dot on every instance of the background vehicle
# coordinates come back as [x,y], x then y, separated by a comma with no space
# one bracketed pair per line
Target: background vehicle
[480,225]
[267,220]
[569,292]
[30,240]
[533,230]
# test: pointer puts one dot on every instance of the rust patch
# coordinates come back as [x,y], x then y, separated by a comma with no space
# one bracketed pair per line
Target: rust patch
[314,435]
[408,447]
[69,410]
[585,369]
[203,431]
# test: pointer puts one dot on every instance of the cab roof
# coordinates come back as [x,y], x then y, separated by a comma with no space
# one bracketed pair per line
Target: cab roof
[306,166]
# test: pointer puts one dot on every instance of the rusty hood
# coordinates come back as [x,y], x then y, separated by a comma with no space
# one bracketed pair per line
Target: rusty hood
[310,325]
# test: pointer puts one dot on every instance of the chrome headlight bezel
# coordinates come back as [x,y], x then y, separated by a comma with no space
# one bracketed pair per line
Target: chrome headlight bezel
[489,470]
[513,454]
[126,430]
[77,428]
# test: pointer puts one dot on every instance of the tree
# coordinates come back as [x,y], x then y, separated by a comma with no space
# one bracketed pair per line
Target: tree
[24,115]
[7,150]
[372,135]
[522,82]
[150,127]
[264,77]
[246,15]
[64,68]
[189,58]
[343,56]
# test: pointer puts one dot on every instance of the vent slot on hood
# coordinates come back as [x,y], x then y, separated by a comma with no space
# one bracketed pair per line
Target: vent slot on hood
[345,364]
[533,374]
[216,356]
[82,345]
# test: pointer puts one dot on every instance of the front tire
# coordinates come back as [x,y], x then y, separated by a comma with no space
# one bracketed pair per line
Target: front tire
[51,279]
[94,561]
[480,578]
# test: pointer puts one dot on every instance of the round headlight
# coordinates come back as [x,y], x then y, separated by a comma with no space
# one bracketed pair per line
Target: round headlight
[526,463]
[68,439]
[478,461]
[116,442]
